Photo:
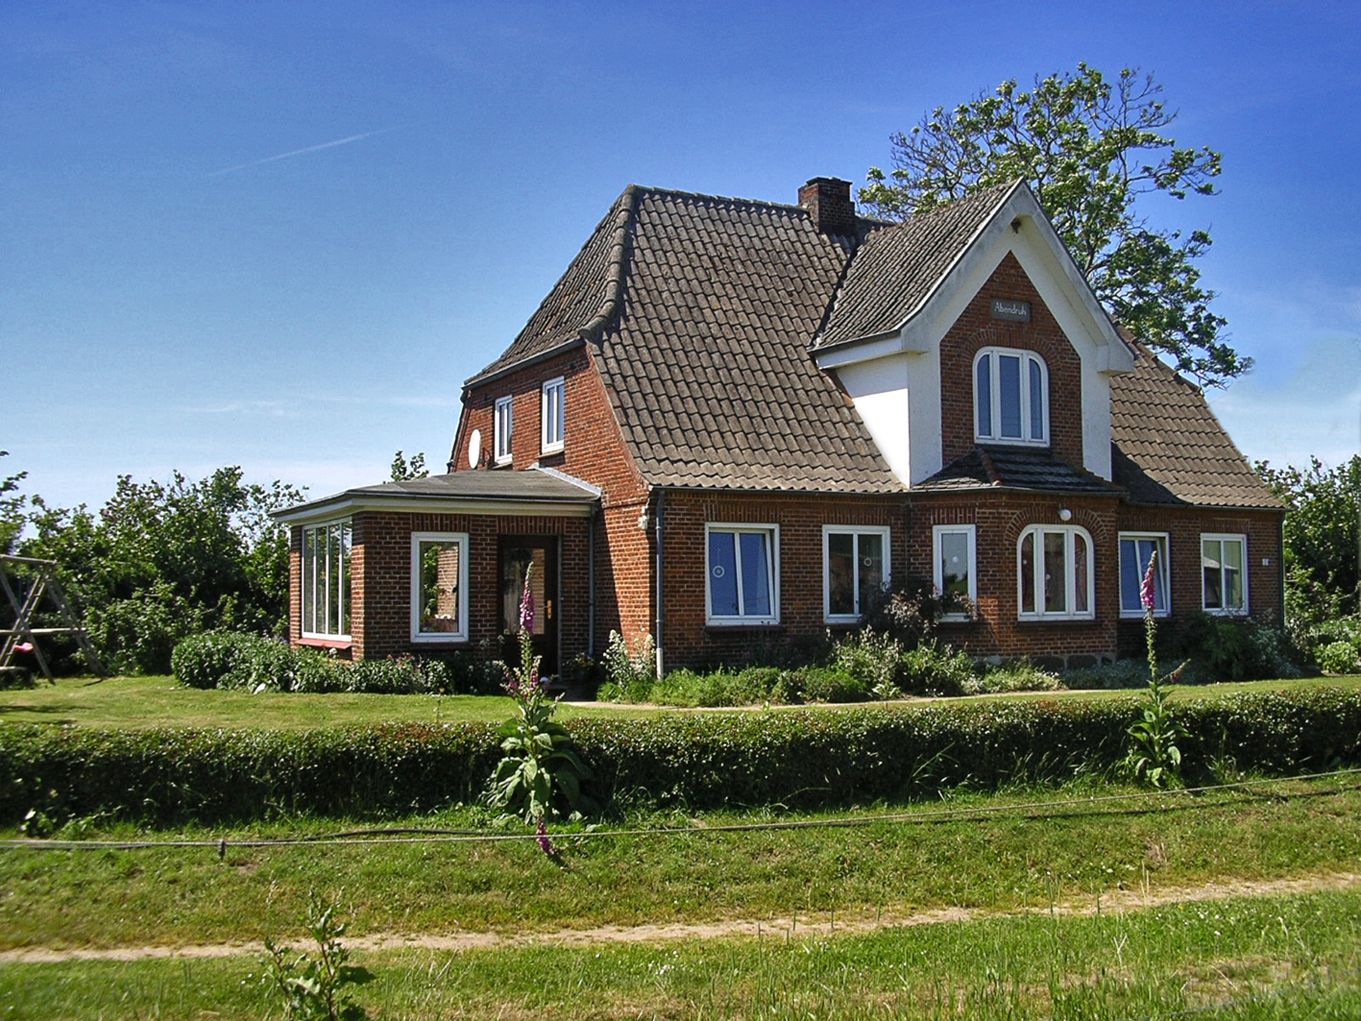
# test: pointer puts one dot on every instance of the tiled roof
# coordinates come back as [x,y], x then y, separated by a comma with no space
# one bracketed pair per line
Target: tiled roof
[1168,447]
[898,267]
[1013,468]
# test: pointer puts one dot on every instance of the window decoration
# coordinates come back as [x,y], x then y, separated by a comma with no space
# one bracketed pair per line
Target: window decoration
[955,572]
[551,401]
[855,570]
[326,580]
[1224,579]
[503,426]
[1054,573]
[741,564]
[1011,396]
[1136,549]
[439,586]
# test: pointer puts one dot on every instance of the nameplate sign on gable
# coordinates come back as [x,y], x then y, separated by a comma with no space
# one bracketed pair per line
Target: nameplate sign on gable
[1011,310]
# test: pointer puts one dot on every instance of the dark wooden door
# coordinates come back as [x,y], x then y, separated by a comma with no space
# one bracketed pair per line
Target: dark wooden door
[517,552]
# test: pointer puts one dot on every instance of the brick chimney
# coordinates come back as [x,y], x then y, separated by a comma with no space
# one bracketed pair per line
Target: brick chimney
[828,201]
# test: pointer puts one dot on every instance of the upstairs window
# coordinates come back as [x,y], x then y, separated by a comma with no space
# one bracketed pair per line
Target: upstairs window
[854,570]
[1224,580]
[553,420]
[1054,573]
[326,580]
[741,563]
[502,429]
[1011,396]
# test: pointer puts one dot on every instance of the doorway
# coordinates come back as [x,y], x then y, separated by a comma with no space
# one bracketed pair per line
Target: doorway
[516,554]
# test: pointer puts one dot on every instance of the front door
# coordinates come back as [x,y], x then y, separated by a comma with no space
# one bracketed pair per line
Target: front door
[517,553]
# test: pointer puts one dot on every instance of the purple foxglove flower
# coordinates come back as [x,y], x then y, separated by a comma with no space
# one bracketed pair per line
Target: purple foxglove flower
[541,834]
[527,605]
[1146,590]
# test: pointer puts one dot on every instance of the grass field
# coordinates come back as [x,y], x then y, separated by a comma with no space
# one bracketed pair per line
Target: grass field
[140,702]
[993,854]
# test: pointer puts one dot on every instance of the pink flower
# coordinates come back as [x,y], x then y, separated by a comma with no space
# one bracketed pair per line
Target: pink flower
[527,605]
[541,834]
[1146,590]
[23,646]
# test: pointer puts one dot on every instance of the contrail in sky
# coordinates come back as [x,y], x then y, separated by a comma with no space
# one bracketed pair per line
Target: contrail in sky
[302,152]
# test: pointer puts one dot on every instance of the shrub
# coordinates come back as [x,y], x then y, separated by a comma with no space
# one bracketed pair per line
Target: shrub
[871,657]
[796,759]
[1017,676]
[1123,673]
[225,659]
[630,670]
[932,669]
[1231,649]
[823,684]
[1338,658]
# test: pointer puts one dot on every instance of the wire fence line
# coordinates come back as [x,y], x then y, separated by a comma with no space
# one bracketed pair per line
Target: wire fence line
[1035,809]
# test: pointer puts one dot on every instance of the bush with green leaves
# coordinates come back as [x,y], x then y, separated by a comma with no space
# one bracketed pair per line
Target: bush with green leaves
[314,986]
[1233,649]
[871,657]
[1123,673]
[630,669]
[224,659]
[934,668]
[752,686]
[1339,658]
[1018,675]
[802,760]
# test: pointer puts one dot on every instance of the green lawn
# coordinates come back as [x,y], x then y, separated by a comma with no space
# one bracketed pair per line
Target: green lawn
[138,702]
[1243,958]
[1005,859]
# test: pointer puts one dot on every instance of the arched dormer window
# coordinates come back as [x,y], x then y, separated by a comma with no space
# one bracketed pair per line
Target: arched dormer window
[1010,396]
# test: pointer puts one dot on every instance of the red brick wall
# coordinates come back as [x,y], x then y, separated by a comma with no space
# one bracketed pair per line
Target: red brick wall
[976,329]
[688,640]
[1184,526]
[999,519]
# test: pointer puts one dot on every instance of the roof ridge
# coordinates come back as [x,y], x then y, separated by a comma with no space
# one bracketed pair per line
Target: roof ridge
[615,269]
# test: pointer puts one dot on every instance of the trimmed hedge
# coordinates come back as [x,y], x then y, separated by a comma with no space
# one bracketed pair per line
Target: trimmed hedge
[803,759]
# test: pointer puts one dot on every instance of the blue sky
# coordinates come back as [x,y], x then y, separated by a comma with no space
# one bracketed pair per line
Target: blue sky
[282,235]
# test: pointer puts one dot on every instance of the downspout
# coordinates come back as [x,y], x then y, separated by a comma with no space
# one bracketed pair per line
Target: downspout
[590,582]
[657,598]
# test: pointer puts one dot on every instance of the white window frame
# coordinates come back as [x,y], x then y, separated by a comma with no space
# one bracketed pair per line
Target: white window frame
[341,633]
[995,397]
[1222,537]
[548,443]
[503,431]
[1069,581]
[855,531]
[773,579]
[459,539]
[1164,559]
[938,576]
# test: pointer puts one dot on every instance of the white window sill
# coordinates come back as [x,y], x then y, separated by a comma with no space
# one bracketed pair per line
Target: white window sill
[1240,612]
[741,621]
[1139,614]
[552,448]
[441,637]
[1055,618]
[955,618]
[311,636]
[994,441]
[502,461]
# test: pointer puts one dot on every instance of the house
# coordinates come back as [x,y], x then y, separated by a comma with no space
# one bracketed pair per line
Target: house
[731,422]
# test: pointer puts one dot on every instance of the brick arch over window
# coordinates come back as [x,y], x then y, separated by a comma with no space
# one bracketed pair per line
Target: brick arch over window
[975,329]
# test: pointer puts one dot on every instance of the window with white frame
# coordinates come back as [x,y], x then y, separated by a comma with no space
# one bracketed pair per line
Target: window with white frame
[1136,549]
[1224,577]
[325,580]
[1011,396]
[439,586]
[955,573]
[553,418]
[855,569]
[1054,573]
[502,426]
[742,568]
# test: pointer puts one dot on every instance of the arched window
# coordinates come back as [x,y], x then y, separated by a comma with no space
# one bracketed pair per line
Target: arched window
[1011,396]
[1054,573]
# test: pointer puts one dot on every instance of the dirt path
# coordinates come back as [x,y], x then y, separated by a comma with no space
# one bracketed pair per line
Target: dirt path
[822,924]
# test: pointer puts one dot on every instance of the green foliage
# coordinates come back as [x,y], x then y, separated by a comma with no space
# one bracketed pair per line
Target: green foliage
[1089,147]
[403,470]
[231,660]
[1339,658]
[630,671]
[161,561]
[313,987]
[540,774]
[872,659]
[752,686]
[1322,545]
[1123,673]
[1015,676]
[910,611]
[1234,649]
[11,508]
[933,668]
[705,760]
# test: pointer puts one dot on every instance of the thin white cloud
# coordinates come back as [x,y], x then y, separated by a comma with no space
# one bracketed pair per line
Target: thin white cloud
[303,151]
